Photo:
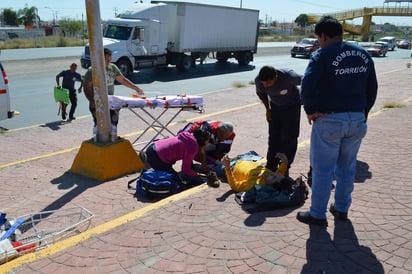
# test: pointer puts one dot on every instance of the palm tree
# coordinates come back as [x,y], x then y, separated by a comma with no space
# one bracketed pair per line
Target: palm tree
[28,16]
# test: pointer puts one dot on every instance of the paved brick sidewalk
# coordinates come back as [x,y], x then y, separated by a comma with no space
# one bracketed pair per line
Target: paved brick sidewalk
[203,230]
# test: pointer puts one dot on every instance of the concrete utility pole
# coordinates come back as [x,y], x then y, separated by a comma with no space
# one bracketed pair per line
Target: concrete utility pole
[102,160]
[98,70]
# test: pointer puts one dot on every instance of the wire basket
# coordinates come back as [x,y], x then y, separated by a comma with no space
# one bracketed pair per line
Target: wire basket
[42,229]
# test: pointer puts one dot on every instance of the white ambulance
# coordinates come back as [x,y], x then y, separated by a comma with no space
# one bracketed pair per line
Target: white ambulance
[5,111]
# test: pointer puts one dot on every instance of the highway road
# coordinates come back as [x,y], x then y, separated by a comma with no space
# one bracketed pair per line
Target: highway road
[32,74]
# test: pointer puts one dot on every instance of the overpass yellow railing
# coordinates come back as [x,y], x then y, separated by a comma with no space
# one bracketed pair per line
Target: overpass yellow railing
[358,13]
[366,14]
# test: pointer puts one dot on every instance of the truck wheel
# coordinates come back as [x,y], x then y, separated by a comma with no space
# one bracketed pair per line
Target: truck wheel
[124,66]
[244,58]
[221,57]
[185,63]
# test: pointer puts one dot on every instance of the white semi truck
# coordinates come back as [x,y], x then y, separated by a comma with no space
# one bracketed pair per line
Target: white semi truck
[160,33]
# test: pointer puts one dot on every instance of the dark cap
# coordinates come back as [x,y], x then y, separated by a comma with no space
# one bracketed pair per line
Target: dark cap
[73,65]
[107,51]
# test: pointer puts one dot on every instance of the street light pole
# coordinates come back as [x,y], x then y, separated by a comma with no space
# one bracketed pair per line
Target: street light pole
[53,15]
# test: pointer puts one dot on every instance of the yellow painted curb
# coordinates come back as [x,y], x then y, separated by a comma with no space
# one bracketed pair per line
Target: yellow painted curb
[72,241]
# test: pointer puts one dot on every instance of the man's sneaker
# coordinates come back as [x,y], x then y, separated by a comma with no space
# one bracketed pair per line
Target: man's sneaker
[212,180]
[214,184]
[305,217]
[338,214]
[72,118]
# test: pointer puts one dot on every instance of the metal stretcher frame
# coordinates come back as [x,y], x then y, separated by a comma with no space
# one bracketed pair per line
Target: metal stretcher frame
[155,122]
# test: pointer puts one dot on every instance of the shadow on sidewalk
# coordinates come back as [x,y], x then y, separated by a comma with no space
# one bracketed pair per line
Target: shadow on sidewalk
[66,181]
[56,125]
[362,172]
[259,214]
[343,254]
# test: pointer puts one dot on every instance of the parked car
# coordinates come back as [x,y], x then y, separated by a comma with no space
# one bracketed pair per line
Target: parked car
[353,42]
[404,44]
[305,47]
[378,49]
[389,40]
[12,35]
[385,45]
[5,111]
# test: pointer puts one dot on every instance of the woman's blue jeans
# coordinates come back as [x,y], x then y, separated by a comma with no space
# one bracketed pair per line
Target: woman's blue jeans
[335,142]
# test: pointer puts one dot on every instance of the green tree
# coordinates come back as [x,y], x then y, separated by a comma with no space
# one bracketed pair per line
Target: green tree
[388,27]
[70,26]
[28,16]
[10,17]
[302,20]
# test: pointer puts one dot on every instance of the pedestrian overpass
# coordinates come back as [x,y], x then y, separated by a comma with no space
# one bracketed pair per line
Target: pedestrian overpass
[366,14]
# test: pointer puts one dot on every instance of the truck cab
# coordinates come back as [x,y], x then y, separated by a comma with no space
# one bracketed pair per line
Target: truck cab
[135,42]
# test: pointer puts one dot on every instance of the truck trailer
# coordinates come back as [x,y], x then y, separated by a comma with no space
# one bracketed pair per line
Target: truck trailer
[159,33]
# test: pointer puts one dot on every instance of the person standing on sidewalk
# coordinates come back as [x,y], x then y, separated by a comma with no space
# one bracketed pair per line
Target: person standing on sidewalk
[112,73]
[338,90]
[70,76]
[278,90]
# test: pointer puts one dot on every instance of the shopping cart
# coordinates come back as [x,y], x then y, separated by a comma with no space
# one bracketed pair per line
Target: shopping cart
[36,231]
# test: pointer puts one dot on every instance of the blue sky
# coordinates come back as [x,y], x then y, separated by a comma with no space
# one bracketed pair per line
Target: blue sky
[271,10]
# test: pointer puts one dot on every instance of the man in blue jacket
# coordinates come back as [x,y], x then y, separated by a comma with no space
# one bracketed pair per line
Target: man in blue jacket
[338,90]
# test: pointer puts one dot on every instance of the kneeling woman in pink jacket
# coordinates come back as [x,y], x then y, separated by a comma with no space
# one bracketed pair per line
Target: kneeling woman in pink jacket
[164,153]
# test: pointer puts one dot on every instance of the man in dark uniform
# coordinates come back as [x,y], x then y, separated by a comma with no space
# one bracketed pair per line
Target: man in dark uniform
[69,77]
[277,88]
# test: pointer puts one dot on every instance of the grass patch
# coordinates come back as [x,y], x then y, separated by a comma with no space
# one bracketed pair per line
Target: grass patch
[238,85]
[42,42]
[242,85]
[60,41]
[393,105]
